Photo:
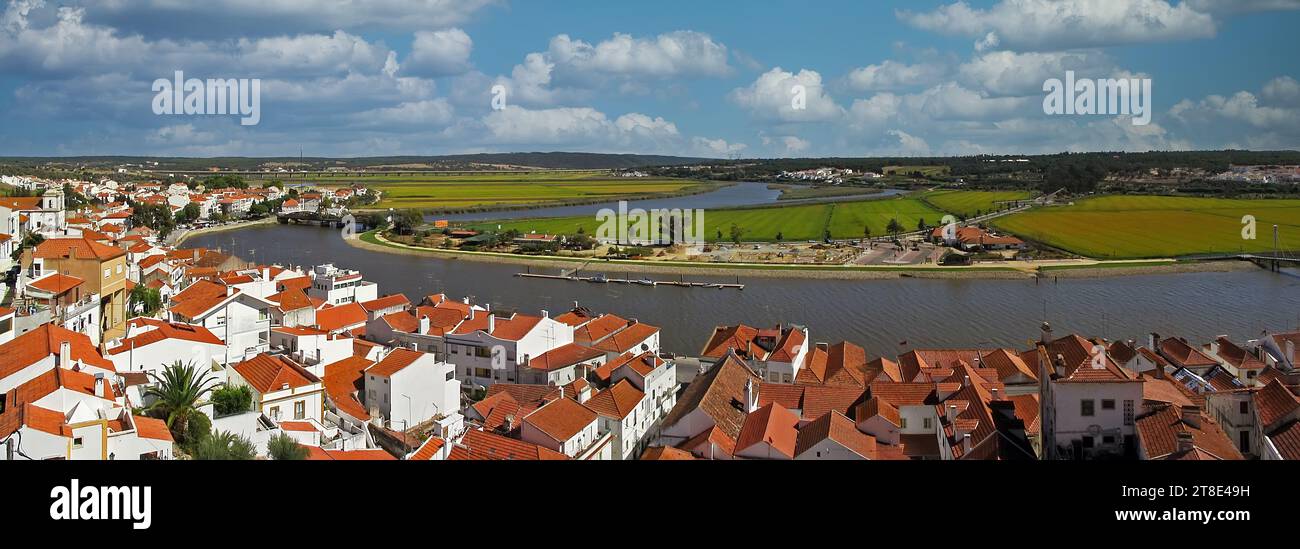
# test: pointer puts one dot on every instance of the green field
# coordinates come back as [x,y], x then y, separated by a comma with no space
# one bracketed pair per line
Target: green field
[971,203]
[452,192]
[927,171]
[803,222]
[1121,227]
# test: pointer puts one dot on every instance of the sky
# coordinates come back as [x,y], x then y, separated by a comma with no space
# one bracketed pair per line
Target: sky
[720,79]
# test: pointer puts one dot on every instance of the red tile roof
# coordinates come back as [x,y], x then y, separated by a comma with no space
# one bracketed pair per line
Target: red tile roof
[429,449]
[617,401]
[319,454]
[200,297]
[55,283]
[561,419]
[482,445]
[46,340]
[665,453]
[1274,402]
[1158,433]
[83,248]
[150,428]
[564,357]
[268,374]
[773,424]
[840,429]
[719,393]
[627,339]
[343,379]
[397,300]
[397,360]
[162,330]
[342,317]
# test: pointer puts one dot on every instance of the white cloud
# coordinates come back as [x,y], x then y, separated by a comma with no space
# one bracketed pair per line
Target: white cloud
[892,75]
[439,53]
[426,113]
[1239,6]
[681,53]
[1282,91]
[910,145]
[716,148]
[1066,24]
[295,15]
[1006,73]
[775,94]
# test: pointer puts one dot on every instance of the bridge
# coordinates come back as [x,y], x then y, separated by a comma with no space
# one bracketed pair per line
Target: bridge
[310,218]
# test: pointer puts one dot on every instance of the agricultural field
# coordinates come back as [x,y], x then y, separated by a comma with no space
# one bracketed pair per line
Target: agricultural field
[846,220]
[1123,227]
[453,192]
[927,171]
[973,203]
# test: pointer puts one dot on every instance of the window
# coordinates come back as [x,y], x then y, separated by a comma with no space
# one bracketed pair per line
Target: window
[299,410]
[1128,412]
[275,413]
[1250,374]
[774,377]
[1245,441]
[903,421]
[108,272]
[1086,408]
[76,442]
[1245,407]
[927,423]
[451,374]
[1108,404]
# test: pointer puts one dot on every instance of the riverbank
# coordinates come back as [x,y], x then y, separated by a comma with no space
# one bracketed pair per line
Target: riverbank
[375,242]
[220,228]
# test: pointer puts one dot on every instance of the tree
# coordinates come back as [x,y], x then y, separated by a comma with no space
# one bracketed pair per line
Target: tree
[736,234]
[189,214]
[780,236]
[866,232]
[920,224]
[283,447]
[406,221]
[144,300]
[179,390]
[894,227]
[232,399]
[225,446]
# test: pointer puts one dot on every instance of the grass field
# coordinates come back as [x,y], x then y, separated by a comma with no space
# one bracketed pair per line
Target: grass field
[433,191]
[803,222]
[799,193]
[971,203]
[927,171]
[1120,227]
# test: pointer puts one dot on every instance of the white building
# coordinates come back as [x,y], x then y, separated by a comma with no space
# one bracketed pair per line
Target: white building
[340,286]
[410,387]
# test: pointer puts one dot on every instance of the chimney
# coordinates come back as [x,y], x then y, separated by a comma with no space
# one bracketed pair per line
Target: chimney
[1192,416]
[546,313]
[1185,442]
[1046,336]
[1059,364]
[230,290]
[473,313]
[561,388]
[1290,353]
[823,345]
[492,323]
[510,422]
[965,381]
[996,394]
[414,346]
[196,254]
[965,443]
[1153,339]
[424,324]
[751,398]
[65,354]
[99,385]
[952,412]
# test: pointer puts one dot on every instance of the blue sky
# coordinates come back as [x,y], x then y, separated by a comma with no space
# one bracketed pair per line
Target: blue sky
[699,78]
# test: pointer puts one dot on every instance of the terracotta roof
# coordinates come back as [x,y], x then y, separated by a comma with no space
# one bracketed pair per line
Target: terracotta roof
[813,401]
[150,428]
[319,454]
[773,424]
[161,330]
[343,379]
[333,319]
[1009,364]
[200,297]
[55,283]
[397,300]
[1287,440]
[726,338]
[1238,357]
[665,453]
[482,445]
[1158,433]
[617,401]
[873,407]
[515,327]
[712,435]
[1184,355]
[298,426]
[46,340]
[396,361]
[268,373]
[1164,390]
[1077,353]
[428,449]
[598,329]
[1274,402]
[719,393]
[840,429]
[291,299]
[563,357]
[625,340]
[84,248]
[561,419]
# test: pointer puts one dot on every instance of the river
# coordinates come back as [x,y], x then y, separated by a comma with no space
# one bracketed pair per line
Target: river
[877,314]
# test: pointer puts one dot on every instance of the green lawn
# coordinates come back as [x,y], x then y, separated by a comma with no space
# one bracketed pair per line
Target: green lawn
[434,191]
[972,203]
[1120,227]
[802,222]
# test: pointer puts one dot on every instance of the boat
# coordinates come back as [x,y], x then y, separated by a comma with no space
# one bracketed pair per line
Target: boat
[598,279]
[644,282]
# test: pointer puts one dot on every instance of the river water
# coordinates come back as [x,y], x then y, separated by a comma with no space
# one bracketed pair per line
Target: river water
[877,314]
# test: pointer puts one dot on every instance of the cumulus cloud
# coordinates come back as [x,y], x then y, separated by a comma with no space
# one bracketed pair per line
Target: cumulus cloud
[716,148]
[1270,120]
[681,53]
[1065,24]
[439,53]
[891,75]
[788,97]
[263,17]
[1006,73]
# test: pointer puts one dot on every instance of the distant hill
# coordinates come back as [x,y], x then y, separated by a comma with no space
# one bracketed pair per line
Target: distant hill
[548,160]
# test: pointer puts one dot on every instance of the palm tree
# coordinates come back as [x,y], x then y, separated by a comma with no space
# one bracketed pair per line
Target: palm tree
[225,446]
[283,447]
[178,391]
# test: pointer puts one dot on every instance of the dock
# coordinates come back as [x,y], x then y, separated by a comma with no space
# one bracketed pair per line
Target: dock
[602,279]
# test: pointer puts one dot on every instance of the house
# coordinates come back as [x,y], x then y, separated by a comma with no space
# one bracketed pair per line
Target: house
[776,354]
[385,306]
[770,432]
[311,347]
[102,269]
[410,387]
[340,286]
[567,427]
[150,345]
[487,349]
[720,398]
[45,348]
[626,414]
[243,321]
[349,318]
[561,365]
[1182,433]
[1088,401]
[479,445]
[834,436]
[651,375]
[282,388]
[60,299]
